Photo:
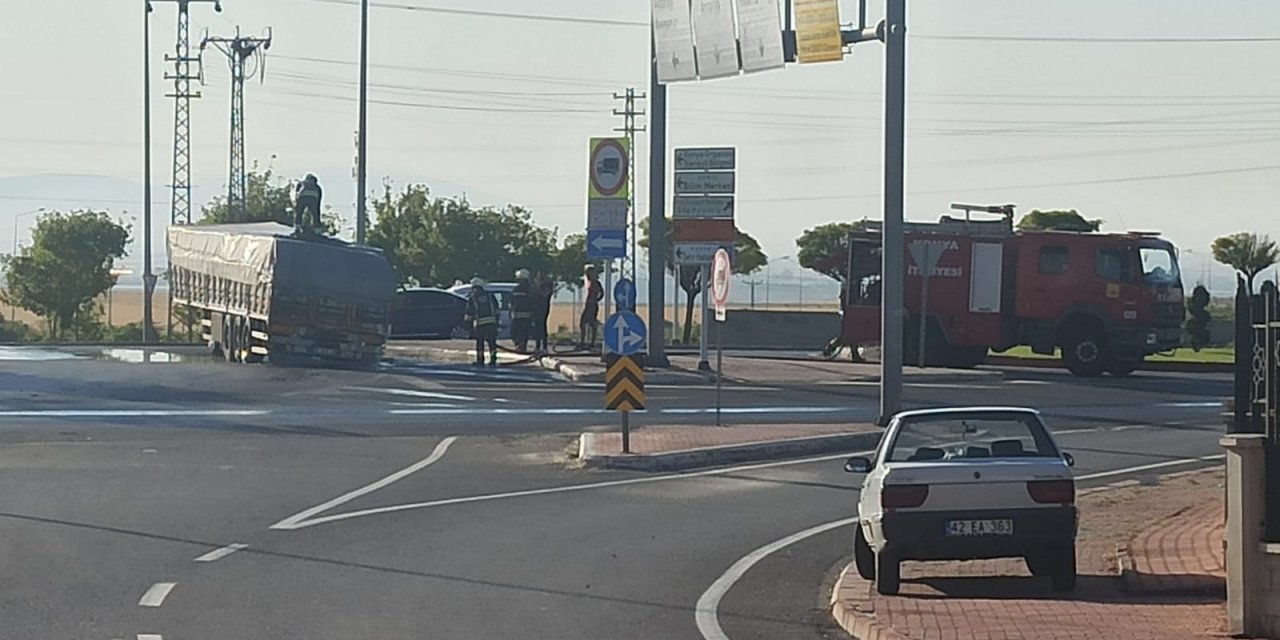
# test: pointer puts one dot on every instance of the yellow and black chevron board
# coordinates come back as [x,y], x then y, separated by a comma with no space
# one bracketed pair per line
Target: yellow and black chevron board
[623,383]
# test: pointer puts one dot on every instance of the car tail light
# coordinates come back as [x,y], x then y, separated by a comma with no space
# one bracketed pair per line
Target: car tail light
[1052,491]
[903,496]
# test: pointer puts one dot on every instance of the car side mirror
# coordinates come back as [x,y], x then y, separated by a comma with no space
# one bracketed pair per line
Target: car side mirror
[1070,459]
[857,464]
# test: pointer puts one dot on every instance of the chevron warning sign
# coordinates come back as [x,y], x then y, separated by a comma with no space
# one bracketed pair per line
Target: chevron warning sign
[623,383]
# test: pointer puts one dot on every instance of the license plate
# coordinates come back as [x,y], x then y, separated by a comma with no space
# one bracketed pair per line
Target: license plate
[980,527]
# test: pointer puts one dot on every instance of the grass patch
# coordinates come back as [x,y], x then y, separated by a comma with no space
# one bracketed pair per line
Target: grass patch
[1215,355]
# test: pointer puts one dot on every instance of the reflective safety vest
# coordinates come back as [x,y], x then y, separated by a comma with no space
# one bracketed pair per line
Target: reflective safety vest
[521,308]
[309,191]
[481,309]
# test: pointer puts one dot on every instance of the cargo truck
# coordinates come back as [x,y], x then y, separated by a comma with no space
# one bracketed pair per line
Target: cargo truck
[265,293]
[1106,301]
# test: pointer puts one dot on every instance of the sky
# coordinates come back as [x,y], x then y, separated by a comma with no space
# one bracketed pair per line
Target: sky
[1043,104]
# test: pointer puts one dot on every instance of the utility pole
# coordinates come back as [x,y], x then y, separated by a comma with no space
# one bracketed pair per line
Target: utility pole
[628,114]
[148,278]
[892,313]
[362,146]
[239,50]
[657,356]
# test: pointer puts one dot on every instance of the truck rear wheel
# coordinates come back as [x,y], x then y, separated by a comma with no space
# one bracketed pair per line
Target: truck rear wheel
[1086,354]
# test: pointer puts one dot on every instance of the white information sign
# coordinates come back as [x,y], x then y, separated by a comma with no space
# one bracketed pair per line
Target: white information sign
[673,41]
[714,38]
[760,35]
[699,253]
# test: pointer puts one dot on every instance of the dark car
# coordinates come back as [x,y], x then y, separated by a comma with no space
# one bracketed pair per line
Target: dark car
[427,313]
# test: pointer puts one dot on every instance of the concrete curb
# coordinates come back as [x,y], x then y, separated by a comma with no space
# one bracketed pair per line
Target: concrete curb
[856,622]
[725,454]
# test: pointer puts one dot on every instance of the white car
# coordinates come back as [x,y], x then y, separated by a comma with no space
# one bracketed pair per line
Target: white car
[966,484]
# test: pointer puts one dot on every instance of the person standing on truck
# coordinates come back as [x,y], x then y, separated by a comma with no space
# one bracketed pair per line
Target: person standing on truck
[306,207]
[542,295]
[521,310]
[482,313]
[589,322]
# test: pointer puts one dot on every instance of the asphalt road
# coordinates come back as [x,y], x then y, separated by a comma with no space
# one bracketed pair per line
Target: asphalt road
[270,500]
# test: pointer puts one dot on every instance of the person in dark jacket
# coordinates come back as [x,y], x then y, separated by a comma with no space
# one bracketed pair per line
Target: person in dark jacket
[542,294]
[482,313]
[306,207]
[522,311]
[589,322]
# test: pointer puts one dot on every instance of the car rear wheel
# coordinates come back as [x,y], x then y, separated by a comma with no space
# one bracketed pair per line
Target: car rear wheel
[863,557]
[887,574]
[1063,575]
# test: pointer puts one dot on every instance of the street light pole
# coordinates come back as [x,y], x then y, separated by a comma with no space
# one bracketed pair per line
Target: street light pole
[362,215]
[148,278]
[891,307]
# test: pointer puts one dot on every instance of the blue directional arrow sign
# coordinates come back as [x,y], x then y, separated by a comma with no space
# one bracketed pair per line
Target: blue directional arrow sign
[624,333]
[606,243]
[624,295]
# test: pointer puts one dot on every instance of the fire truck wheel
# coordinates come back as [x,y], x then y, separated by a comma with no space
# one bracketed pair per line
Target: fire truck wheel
[1086,354]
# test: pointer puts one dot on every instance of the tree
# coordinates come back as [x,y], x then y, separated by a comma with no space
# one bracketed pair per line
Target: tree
[571,260]
[749,259]
[1248,253]
[67,266]
[825,248]
[1057,220]
[433,240]
[267,199]
[1198,318]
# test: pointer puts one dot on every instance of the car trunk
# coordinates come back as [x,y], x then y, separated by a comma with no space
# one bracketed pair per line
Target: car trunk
[976,484]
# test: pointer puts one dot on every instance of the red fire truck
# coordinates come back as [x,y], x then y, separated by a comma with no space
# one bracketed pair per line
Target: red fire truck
[1106,300]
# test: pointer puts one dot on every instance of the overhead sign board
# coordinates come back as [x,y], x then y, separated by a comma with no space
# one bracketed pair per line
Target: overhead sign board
[715,40]
[698,253]
[673,41]
[609,168]
[818,36]
[702,207]
[706,159]
[760,35]
[709,182]
[606,244]
[606,213]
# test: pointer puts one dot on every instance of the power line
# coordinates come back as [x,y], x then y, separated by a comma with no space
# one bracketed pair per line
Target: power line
[1100,40]
[493,14]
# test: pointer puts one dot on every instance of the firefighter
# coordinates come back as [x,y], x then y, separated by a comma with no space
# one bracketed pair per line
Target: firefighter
[482,313]
[521,310]
[306,208]
[589,322]
[542,295]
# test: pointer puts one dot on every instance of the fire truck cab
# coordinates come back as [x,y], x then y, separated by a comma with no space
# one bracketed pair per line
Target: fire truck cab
[1106,300]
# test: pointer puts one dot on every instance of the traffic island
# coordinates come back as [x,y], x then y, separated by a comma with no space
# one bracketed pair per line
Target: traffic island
[1172,587]
[680,447]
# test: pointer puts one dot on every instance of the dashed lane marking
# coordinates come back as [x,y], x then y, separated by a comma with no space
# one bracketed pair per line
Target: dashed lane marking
[417,393]
[154,597]
[221,552]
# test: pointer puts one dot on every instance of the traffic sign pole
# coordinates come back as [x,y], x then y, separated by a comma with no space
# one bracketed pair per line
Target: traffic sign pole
[608,286]
[704,278]
[893,271]
[719,366]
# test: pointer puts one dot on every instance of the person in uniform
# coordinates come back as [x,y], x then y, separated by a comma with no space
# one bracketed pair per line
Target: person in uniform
[482,313]
[521,311]
[542,295]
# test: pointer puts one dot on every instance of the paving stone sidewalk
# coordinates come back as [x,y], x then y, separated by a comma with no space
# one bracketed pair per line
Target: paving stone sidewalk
[1175,590]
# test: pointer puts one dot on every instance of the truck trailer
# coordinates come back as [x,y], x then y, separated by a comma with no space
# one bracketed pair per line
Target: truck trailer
[264,293]
[1106,301]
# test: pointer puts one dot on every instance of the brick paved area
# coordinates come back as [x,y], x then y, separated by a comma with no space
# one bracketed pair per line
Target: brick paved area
[999,600]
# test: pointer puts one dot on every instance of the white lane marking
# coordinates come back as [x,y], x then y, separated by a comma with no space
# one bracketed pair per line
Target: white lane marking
[1148,467]
[155,596]
[1194,405]
[706,611]
[585,411]
[424,405]
[417,393]
[222,552]
[131,413]
[298,520]
[561,489]
[501,400]
[150,636]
